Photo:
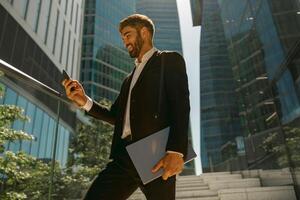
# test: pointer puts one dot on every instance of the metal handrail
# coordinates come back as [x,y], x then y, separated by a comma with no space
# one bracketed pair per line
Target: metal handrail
[13,72]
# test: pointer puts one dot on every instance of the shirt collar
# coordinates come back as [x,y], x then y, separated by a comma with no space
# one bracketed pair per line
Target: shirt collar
[146,56]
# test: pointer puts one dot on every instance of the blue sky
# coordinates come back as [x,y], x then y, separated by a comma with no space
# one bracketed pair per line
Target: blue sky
[191,51]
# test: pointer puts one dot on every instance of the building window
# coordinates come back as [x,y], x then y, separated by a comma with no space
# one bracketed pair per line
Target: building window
[18,124]
[71,16]
[76,19]
[24,8]
[73,54]
[43,137]
[37,131]
[2,94]
[62,42]
[47,22]
[37,19]
[50,139]
[10,96]
[66,145]
[68,48]
[66,7]
[55,33]
[30,112]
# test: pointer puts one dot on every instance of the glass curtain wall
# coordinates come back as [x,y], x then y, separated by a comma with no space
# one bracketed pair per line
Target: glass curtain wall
[220,126]
[262,41]
[164,14]
[105,62]
[35,148]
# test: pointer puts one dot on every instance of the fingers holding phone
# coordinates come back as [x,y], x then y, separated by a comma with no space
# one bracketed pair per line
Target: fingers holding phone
[74,90]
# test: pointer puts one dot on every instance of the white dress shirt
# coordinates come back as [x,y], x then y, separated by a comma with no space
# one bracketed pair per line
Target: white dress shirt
[139,68]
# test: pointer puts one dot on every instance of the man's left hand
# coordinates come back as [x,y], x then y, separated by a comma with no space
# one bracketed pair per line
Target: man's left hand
[172,163]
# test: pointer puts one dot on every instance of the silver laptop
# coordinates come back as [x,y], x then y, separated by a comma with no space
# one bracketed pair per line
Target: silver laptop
[146,152]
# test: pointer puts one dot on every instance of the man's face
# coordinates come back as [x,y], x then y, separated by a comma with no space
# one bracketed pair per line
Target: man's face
[132,40]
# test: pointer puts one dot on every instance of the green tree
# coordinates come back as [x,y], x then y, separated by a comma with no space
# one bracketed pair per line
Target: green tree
[90,146]
[25,177]
[275,144]
[89,153]
[17,168]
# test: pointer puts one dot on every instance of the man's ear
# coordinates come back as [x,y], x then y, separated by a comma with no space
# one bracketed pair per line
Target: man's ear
[144,32]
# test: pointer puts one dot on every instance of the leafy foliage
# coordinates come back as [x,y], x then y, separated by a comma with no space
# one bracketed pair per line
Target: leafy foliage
[292,142]
[16,169]
[23,176]
[89,153]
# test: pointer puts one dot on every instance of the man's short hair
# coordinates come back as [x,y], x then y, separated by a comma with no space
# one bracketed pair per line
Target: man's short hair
[137,21]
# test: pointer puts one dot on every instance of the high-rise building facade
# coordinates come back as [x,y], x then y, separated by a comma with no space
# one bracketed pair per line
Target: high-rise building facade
[164,14]
[219,114]
[41,38]
[105,62]
[262,43]
[264,54]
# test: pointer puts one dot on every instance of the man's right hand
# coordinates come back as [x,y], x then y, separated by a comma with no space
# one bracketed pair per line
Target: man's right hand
[75,92]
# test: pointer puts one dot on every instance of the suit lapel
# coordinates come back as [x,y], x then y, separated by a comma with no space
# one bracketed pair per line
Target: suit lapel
[146,68]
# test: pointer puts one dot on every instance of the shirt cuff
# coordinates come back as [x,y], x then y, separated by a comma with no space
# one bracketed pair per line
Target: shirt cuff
[88,105]
[176,153]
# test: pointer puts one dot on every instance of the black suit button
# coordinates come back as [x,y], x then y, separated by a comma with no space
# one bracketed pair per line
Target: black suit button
[155,116]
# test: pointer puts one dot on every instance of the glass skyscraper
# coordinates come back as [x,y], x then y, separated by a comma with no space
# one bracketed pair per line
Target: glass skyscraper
[105,62]
[219,114]
[262,42]
[164,14]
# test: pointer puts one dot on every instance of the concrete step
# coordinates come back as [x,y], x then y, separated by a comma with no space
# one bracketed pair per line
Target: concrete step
[188,177]
[199,198]
[192,188]
[188,180]
[182,194]
[190,184]
[137,198]
[235,183]
[196,193]
[275,177]
[179,198]
[200,183]
[253,173]
[222,177]
[227,186]
[258,193]
[214,174]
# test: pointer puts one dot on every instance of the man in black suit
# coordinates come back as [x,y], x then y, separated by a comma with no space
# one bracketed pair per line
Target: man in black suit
[141,108]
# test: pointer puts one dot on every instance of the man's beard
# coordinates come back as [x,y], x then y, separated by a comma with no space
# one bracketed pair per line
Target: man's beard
[136,47]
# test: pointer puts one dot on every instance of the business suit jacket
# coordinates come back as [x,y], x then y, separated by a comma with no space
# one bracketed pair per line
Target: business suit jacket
[145,118]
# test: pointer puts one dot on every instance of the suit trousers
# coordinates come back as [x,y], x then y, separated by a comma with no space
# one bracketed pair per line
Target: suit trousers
[120,179]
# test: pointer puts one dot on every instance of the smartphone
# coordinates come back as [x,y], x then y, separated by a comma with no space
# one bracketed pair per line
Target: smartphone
[65,75]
